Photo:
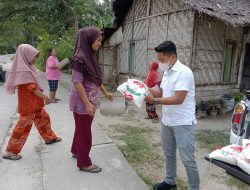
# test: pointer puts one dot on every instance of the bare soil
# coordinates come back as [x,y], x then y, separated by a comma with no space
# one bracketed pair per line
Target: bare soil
[211,176]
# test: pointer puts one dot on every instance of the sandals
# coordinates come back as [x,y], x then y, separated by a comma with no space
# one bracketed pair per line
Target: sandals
[58,139]
[12,156]
[53,101]
[147,117]
[155,120]
[92,169]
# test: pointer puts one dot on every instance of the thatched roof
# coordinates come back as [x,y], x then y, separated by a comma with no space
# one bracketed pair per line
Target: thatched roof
[235,12]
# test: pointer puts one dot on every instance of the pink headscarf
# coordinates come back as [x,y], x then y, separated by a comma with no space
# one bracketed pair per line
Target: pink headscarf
[22,72]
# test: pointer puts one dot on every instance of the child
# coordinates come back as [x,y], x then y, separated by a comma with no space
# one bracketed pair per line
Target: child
[53,74]
[24,77]
[153,79]
[87,83]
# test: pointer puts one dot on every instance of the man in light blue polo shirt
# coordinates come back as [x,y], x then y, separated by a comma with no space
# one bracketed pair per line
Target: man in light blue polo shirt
[177,97]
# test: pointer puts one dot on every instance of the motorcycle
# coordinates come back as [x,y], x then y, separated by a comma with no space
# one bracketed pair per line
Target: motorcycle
[240,123]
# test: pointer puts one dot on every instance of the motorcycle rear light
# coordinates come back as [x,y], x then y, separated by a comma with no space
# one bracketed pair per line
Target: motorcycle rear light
[236,119]
[239,109]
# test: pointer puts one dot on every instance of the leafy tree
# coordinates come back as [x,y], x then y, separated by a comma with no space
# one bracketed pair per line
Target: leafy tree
[23,21]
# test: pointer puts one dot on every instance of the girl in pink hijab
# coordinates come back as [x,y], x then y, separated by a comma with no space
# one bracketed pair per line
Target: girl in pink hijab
[23,76]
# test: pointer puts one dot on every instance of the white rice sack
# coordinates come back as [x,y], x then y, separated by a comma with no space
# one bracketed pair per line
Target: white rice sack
[246,151]
[227,154]
[134,91]
[244,164]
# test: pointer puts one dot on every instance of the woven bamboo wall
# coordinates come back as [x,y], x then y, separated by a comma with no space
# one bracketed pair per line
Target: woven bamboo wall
[180,31]
[163,6]
[140,29]
[106,58]
[158,27]
[211,37]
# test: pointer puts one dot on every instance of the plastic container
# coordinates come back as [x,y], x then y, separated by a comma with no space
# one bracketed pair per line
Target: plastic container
[116,107]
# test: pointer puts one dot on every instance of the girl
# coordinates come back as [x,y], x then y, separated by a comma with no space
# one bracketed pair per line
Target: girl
[53,74]
[24,77]
[152,79]
[87,82]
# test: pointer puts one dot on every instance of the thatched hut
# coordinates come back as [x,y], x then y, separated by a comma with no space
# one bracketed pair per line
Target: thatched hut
[212,38]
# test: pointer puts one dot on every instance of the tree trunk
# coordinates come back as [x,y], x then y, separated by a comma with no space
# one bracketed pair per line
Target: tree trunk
[72,11]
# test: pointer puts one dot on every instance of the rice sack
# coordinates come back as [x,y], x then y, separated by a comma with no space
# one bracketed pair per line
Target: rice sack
[134,91]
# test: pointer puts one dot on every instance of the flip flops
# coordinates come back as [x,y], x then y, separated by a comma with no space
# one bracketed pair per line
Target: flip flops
[92,169]
[58,139]
[12,156]
[155,120]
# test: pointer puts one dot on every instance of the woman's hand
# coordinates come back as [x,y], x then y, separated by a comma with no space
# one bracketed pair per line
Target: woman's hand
[109,96]
[46,100]
[90,108]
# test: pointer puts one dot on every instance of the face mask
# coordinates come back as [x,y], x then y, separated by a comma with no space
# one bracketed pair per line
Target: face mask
[165,66]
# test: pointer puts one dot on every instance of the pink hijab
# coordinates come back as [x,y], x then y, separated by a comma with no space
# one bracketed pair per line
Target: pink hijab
[22,72]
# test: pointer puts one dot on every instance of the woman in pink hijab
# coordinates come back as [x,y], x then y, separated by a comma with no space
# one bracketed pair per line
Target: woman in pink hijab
[23,76]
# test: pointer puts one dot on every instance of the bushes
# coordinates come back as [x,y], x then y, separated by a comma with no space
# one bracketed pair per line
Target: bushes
[6,48]
[64,47]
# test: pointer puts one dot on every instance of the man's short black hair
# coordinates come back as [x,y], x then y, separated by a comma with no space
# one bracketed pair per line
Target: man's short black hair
[167,47]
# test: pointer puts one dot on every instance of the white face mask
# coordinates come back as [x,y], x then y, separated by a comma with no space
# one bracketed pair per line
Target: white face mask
[165,66]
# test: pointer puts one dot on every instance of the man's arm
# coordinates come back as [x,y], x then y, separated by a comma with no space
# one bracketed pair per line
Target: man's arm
[177,99]
[156,93]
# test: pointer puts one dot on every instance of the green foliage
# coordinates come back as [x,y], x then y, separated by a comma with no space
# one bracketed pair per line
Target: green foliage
[238,96]
[24,21]
[64,47]
[203,106]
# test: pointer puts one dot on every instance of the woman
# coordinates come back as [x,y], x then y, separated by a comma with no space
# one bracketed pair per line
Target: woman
[87,82]
[53,74]
[153,79]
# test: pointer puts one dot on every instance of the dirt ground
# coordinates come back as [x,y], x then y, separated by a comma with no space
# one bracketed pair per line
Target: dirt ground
[211,176]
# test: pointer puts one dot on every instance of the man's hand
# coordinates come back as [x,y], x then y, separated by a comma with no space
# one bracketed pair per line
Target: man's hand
[149,98]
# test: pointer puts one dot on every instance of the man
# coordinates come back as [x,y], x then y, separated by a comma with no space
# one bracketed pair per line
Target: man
[177,95]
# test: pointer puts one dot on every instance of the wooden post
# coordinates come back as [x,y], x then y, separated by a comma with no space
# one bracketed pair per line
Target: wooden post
[242,58]
[147,33]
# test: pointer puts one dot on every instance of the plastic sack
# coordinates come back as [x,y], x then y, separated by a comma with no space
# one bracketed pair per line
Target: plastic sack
[229,101]
[226,154]
[246,151]
[134,91]
[235,155]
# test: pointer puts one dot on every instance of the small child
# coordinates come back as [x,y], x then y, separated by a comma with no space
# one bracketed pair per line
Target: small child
[24,77]
[153,79]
